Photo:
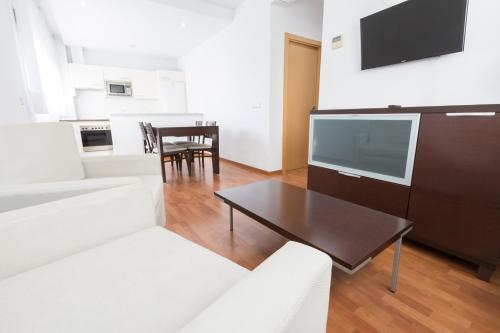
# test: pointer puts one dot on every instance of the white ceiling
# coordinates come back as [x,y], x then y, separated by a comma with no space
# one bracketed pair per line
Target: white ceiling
[168,28]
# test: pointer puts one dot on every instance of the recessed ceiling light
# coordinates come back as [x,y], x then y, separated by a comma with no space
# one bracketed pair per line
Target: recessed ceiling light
[183,25]
[83,3]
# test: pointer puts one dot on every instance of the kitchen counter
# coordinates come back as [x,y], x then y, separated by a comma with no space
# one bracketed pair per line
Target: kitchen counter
[154,114]
[82,120]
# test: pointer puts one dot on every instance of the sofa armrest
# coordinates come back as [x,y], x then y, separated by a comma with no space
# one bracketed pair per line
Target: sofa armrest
[121,166]
[289,292]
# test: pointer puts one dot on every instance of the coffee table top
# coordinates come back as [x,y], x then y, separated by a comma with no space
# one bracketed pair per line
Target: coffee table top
[349,233]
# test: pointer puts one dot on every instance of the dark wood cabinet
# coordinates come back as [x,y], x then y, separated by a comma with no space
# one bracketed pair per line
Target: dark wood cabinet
[372,193]
[454,197]
[455,194]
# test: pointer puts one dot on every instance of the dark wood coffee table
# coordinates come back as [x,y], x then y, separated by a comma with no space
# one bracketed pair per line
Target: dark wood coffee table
[351,234]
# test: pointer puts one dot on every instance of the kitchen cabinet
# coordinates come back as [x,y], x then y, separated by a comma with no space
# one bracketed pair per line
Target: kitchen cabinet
[86,76]
[118,74]
[172,85]
[145,85]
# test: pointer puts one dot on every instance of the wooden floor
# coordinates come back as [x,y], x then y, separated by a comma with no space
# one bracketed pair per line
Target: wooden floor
[436,293]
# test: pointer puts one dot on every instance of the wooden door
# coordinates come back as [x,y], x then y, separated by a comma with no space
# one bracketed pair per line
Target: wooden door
[301,93]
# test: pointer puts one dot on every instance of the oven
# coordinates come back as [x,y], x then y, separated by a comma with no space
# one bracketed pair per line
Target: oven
[96,137]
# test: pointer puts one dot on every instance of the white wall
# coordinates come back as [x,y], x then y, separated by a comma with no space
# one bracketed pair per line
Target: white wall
[471,77]
[303,18]
[12,93]
[236,78]
[228,80]
[127,60]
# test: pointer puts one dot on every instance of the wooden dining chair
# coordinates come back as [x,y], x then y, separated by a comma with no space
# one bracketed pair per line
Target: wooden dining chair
[199,149]
[147,146]
[173,152]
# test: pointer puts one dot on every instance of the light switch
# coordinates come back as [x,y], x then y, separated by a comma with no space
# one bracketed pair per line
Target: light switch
[337,42]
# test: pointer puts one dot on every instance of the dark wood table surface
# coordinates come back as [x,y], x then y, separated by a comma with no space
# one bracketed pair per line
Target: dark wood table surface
[189,131]
[349,233]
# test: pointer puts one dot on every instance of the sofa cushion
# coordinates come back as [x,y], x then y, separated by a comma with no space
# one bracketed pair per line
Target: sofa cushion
[39,152]
[150,282]
[26,195]
[38,235]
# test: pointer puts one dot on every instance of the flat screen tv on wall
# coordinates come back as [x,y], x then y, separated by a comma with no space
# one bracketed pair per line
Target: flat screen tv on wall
[412,30]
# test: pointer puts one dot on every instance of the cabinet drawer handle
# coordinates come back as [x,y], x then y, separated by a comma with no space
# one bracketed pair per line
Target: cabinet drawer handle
[349,174]
[471,114]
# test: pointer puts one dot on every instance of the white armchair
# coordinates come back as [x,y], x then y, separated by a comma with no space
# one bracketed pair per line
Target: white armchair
[40,162]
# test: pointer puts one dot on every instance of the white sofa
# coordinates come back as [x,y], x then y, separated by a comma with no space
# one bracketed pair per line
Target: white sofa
[40,162]
[98,263]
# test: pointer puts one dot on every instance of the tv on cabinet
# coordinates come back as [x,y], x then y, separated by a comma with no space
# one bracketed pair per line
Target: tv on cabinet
[412,30]
[378,146]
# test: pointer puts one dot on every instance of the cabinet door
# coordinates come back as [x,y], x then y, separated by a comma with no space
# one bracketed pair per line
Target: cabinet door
[118,74]
[386,197]
[86,76]
[455,195]
[145,85]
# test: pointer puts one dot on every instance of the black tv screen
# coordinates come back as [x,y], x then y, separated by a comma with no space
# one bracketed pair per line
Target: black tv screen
[412,30]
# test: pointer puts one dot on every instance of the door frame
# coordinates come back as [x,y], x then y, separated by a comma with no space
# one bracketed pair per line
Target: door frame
[309,42]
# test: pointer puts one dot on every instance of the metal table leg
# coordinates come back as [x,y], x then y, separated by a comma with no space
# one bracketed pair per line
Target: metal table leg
[231,218]
[395,267]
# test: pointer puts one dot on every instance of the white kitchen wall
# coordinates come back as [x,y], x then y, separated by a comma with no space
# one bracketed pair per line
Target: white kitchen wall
[128,60]
[303,18]
[228,80]
[12,92]
[471,77]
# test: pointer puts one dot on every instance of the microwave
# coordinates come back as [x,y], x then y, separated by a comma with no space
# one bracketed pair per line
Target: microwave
[115,88]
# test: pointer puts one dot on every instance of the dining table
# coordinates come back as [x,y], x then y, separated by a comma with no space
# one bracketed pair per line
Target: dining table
[211,132]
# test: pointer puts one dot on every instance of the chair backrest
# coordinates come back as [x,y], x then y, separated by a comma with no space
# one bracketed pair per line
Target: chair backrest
[151,135]
[197,138]
[147,145]
[39,153]
[209,123]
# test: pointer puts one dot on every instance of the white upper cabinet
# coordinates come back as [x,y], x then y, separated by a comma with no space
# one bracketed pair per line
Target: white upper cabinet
[118,74]
[86,76]
[172,76]
[145,85]
[168,87]
[172,91]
